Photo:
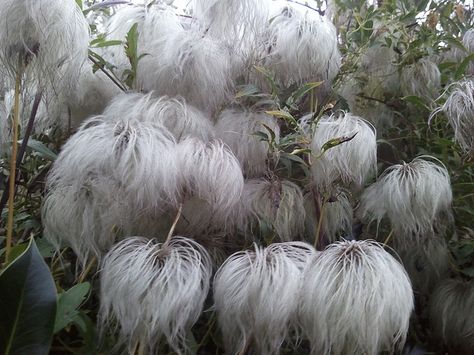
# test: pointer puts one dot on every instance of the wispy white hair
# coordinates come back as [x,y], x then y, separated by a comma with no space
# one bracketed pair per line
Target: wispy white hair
[180,118]
[468,42]
[140,155]
[337,216]
[411,195]
[54,34]
[350,162]
[237,128]
[427,263]
[451,315]
[256,295]
[302,46]
[191,63]
[153,290]
[459,109]
[230,19]
[356,299]
[84,216]
[152,22]
[422,79]
[210,172]
[275,203]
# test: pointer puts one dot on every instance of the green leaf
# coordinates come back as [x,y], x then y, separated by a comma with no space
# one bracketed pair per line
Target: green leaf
[131,50]
[27,305]
[68,305]
[247,90]
[462,67]
[107,44]
[297,95]
[336,141]
[281,114]
[43,150]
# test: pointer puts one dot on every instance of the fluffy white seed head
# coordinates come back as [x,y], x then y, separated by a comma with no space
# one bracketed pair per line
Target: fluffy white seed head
[451,315]
[152,22]
[180,118]
[212,173]
[301,46]
[459,109]
[278,204]
[468,42]
[139,155]
[191,63]
[337,216]
[356,299]
[153,290]
[84,216]
[412,196]
[237,128]
[255,295]
[54,35]
[422,79]
[237,22]
[350,162]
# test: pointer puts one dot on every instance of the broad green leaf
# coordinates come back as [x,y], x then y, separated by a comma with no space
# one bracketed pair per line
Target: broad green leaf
[68,305]
[27,305]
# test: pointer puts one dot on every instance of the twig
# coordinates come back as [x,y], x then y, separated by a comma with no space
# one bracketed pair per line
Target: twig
[101,68]
[88,268]
[176,219]
[388,237]
[320,223]
[11,191]
[24,144]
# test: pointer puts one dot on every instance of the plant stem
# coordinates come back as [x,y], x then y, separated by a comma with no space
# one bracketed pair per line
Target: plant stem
[320,224]
[24,144]
[11,191]
[100,66]
[176,219]
[388,237]
[88,268]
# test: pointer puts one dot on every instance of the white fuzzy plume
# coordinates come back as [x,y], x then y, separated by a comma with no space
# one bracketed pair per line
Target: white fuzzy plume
[237,128]
[212,173]
[459,109]
[451,315]
[180,118]
[153,22]
[275,203]
[154,290]
[356,299]
[255,295]
[191,63]
[301,46]
[411,195]
[350,162]
[422,79]
[53,35]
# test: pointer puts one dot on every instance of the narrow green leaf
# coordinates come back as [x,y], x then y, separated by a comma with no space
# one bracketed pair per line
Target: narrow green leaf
[336,141]
[247,90]
[297,95]
[43,150]
[462,67]
[107,44]
[27,305]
